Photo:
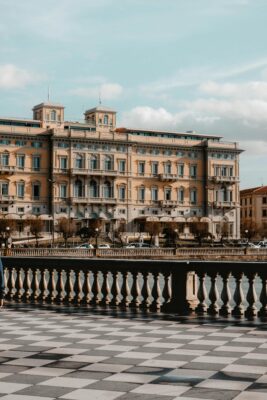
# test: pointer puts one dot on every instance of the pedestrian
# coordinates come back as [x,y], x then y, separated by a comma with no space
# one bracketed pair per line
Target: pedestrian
[2,284]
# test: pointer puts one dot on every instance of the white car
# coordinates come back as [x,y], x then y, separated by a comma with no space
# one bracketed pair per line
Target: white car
[103,246]
[85,246]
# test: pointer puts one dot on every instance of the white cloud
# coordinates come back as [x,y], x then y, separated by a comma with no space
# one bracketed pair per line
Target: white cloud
[107,91]
[248,90]
[13,77]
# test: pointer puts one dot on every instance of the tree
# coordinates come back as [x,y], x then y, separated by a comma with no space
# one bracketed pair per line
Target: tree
[118,233]
[224,230]
[67,228]
[249,229]
[6,227]
[172,232]
[36,226]
[200,230]
[153,228]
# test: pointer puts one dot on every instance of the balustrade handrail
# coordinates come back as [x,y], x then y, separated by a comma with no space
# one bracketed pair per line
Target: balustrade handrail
[152,252]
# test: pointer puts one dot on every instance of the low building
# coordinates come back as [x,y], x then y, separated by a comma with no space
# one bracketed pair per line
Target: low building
[54,168]
[254,212]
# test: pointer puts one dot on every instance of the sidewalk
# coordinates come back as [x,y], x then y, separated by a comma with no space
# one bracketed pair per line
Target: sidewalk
[66,353]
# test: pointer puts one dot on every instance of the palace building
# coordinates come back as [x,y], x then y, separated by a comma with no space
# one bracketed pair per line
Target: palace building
[54,168]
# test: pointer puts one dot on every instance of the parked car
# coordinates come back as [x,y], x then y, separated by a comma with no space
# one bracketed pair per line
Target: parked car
[137,245]
[262,244]
[85,246]
[103,246]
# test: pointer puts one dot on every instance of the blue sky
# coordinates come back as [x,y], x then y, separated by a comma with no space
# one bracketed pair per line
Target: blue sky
[165,64]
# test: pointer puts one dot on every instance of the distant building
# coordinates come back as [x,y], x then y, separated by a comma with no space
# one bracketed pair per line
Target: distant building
[254,210]
[54,168]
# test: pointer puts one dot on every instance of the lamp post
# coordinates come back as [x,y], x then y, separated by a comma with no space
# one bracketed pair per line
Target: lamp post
[176,236]
[52,209]
[246,232]
[7,235]
[96,237]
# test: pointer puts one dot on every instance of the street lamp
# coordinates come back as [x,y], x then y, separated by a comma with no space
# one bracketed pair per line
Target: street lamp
[7,235]
[176,236]
[96,237]
[246,232]
[51,181]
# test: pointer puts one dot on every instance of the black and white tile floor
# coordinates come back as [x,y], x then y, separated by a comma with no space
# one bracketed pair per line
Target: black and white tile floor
[60,353]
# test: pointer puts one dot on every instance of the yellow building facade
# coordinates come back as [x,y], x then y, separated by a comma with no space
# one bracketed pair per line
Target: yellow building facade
[56,168]
[254,211]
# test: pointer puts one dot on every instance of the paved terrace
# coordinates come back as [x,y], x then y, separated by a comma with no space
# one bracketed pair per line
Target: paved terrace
[66,352]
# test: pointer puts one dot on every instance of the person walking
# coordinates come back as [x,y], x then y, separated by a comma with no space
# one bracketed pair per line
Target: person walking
[2,284]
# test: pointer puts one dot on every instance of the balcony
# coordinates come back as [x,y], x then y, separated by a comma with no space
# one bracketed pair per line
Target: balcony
[7,170]
[168,203]
[222,179]
[7,199]
[225,204]
[93,200]
[168,177]
[98,172]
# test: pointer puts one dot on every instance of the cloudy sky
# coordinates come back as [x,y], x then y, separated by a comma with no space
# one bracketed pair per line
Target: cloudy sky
[166,64]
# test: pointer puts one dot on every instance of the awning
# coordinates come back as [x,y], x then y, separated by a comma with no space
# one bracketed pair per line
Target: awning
[205,219]
[165,219]
[46,217]
[179,219]
[152,219]
[192,219]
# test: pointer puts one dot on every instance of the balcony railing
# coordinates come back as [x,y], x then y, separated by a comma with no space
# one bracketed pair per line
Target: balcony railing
[87,171]
[225,204]
[221,178]
[185,287]
[93,200]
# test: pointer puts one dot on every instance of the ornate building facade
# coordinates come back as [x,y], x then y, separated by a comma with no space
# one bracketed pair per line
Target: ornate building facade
[54,168]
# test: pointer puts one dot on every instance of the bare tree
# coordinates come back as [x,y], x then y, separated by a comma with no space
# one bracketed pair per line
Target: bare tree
[36,226]
[7,226]
[66,227]
[249,229]
[118,233]
[200,230]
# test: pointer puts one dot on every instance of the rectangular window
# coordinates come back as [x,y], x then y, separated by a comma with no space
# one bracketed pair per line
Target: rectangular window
[20,143]
[167,194]
[264,213]
[63,163]
[154,194]
[20,209]
[21,161]
[141,168]
[36,210]
[167,168]
[224,171]
[181,195]
[217,171]
[193,171]
[180,170]
[122,193]
[36,191]
[141,194]
[36,163]
[4,189]
[122,166]
[20,189]
[264,200]
[36,145]
[193,196]
[231,171]
[5,160]
[154,168]
[63,191]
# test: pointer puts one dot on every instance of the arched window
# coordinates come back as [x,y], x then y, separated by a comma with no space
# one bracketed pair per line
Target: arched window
[168,167]
[181,195]
[93,162]
[5,159]
[53,115]
[193,196]
[106,119]
[122,192]
[107,190]
[93,189]
[78,188]
[4,188]
[167,193]
[36,190]
[107,163]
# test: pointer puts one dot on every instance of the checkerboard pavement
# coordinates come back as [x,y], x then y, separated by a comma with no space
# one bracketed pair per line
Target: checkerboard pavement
[64,353]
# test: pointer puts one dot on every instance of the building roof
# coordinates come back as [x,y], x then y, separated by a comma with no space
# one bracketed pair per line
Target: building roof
[255,190]
[188,133]
[48,104]
[100,107]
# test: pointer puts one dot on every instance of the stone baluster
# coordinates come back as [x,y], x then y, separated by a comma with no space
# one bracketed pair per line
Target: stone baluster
[145,291]
[43,285]
[125,290]
[251,310]
[5,280]
[115,289]
[77,287]
[105,290]
[202,294]
[86,287]
[96,291]
[135,292]
[167,291]
[263,295]
[10,284]
[238,295]
[51,286]
[226,295]
[60,286]
[27,284]
[19,284]
[156,293]
[69,287]
[35,288]
[213,295]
